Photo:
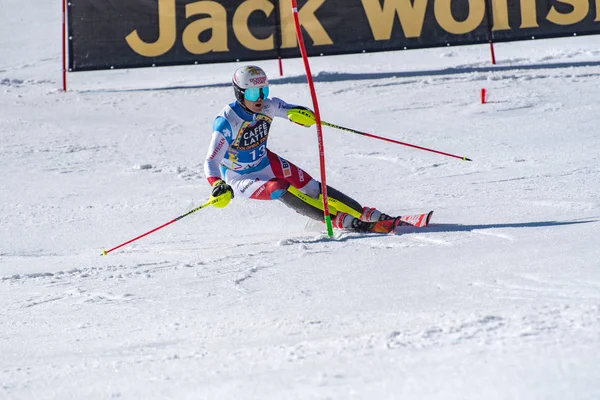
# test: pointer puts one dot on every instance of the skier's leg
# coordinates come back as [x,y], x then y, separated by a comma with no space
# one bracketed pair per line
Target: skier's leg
[257,185]
[347,204]
[297,177]
[264,185]
[302,207]
[333,201]
[343,203]
[313,209]
[273,189]
[347,201]
[308,190]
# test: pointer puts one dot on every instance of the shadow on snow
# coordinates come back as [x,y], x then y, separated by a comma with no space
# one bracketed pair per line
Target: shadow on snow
[469,228]
[462,228]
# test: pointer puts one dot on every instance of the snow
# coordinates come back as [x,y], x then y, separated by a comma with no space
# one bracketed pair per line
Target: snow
[498,299]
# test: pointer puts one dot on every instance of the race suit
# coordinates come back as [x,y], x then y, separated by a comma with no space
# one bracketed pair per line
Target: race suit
[238,154]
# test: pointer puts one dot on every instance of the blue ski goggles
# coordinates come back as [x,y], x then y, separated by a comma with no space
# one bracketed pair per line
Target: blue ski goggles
[253,94]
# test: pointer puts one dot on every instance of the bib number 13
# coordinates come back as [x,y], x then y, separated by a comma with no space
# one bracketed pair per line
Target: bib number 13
[261,152]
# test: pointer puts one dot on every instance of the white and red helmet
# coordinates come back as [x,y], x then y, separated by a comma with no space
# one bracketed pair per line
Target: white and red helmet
[248,77]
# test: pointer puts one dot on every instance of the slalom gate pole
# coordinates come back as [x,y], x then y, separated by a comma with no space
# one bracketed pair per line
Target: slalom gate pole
[393,141]
[64,50]
[311,85]
[488,18]
[211,202]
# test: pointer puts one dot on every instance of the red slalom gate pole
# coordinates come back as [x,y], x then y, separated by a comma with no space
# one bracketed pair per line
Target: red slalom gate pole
[313,94]
[492,53]
[488,17]
[394,141]
[64,50]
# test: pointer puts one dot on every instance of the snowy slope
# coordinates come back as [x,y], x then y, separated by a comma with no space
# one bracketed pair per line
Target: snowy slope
[498,299]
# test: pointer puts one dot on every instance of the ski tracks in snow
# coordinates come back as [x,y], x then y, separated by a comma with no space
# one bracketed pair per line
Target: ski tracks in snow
[107,281]
[545,323]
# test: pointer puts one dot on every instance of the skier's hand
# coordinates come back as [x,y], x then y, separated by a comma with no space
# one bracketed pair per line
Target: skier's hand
[302,116]
[222,192]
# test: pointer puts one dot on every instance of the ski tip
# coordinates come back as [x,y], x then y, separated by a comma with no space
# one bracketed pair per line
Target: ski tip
[428,218]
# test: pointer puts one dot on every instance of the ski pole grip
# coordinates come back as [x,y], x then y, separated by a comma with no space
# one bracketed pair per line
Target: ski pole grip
[302,116]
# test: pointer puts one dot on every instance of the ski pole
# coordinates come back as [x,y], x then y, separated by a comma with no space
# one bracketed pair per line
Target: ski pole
[213,201]
[394,141]
[306,118]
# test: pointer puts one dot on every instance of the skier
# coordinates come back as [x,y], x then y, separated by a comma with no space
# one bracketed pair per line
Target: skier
[239,163]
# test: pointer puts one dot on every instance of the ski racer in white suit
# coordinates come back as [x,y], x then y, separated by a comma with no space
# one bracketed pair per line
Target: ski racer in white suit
[238,160]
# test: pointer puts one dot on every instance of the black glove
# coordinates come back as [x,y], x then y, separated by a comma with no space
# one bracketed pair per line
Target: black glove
[219,188]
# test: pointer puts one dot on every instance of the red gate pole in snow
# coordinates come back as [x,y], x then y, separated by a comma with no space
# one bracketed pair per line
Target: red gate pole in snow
[488,5]
[492,52]
[311,85]
[64,50]
[278,37]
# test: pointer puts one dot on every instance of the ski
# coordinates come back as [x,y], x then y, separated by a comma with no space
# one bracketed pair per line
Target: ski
[417,220]
[390,225]
[386,226]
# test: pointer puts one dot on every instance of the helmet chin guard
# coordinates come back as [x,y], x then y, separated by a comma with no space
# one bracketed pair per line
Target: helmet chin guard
[247,77]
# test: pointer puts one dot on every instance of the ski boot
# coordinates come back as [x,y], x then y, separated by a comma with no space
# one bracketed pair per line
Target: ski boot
[347,221]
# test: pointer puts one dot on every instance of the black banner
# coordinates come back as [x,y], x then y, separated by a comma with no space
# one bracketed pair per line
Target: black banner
[106,34]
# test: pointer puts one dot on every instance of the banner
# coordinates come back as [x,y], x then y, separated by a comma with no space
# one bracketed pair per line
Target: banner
[107,34]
